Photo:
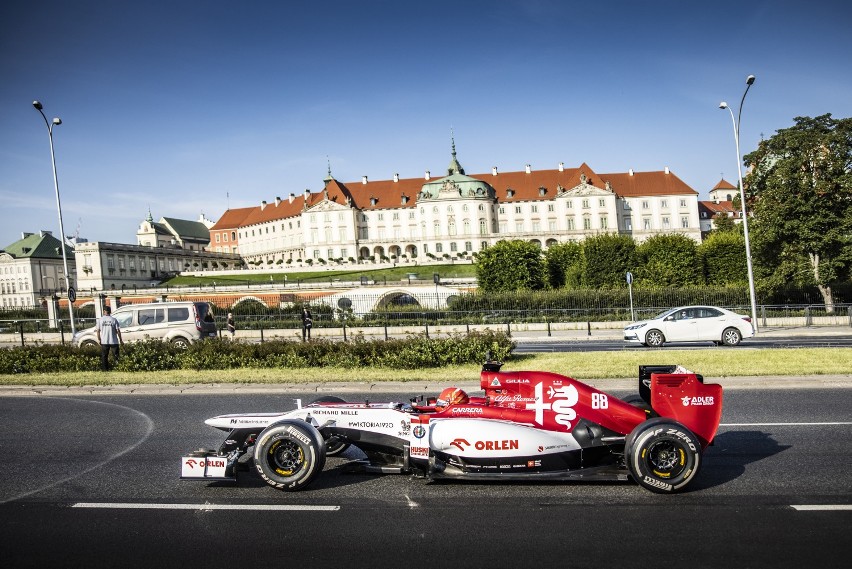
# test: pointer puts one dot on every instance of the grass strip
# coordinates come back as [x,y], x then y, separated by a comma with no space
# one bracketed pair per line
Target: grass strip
[712,363]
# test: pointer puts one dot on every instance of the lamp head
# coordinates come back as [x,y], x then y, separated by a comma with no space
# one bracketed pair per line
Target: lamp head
[37,105]
[723,105]
[57,120]
[749,79]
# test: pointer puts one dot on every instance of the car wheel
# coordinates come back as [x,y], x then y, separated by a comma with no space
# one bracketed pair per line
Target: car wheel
[731,337]
[289,454]
[88,344]
[662,455]
[180,343]
[654,338]
[337,448]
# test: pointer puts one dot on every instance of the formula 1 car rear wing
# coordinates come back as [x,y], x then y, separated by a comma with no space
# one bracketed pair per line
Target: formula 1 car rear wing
[674,392]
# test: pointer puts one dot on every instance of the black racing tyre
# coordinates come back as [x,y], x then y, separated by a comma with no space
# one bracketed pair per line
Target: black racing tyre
[662,455]
[332,449]
[731,337]
[654,338]
[180,342]
[637,401]
[289,454]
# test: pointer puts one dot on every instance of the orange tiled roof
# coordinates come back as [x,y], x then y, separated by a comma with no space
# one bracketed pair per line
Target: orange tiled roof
[724,185]
[714,208]
[232,218]
[387,194]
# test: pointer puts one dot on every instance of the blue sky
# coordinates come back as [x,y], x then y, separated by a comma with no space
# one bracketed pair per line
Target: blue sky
[191,106]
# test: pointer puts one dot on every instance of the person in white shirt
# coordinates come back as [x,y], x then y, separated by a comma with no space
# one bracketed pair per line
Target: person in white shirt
[109,336]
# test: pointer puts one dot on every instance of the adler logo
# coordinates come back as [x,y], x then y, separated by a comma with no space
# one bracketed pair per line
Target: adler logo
[697,401]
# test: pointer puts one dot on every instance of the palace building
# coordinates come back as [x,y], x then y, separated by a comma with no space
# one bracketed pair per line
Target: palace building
[455,215]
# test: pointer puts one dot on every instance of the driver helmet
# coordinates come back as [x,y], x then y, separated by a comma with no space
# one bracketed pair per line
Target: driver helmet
[452,396]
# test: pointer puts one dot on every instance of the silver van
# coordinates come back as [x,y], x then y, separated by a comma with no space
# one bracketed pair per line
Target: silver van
[180,323]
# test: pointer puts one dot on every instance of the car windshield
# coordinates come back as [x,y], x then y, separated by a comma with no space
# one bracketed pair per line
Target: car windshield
[662,314]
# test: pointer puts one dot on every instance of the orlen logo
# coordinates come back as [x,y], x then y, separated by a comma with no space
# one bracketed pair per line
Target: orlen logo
[508,444]
[210,463]
[687,401]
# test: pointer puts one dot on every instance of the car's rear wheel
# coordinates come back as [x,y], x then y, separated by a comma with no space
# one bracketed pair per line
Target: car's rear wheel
[180,342]
[289,454]
[662,455]
[88,344]
[334,448]
[731,337]
[654,338]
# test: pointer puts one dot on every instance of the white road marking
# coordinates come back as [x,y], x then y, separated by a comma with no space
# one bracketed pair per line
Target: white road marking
[822,508]
[149,428]
[251,507]
[827,424]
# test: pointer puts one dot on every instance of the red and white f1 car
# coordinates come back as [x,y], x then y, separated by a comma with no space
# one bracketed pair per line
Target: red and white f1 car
[529,425]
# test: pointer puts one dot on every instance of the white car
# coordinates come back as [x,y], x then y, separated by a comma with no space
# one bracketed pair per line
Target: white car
[691,324]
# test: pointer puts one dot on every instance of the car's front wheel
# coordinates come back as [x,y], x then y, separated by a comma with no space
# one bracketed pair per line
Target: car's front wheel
[731,337]
[654,338]
[289,454]
[662,455]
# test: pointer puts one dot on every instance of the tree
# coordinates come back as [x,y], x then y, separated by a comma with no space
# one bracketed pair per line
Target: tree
[564,265]
[724,258]
[511,265]
[668,260]
[800,191]
[723,222]
[608,258]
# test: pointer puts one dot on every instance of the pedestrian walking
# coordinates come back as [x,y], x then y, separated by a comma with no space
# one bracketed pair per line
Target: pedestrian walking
[307,323]
[109,337]
[232,327]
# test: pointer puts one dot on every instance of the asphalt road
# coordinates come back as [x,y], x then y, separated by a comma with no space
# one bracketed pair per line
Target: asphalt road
[93,482]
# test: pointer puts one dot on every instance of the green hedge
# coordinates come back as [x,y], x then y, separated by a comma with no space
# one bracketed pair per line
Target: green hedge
[153,355]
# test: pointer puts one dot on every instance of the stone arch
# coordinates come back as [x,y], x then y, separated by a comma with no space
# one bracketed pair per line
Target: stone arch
[250,297]
[398,298]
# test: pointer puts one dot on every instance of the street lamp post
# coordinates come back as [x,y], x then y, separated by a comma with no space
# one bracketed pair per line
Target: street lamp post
[50,125]
[736,122]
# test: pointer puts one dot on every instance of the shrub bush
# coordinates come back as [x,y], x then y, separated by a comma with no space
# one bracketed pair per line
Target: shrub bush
[416,351]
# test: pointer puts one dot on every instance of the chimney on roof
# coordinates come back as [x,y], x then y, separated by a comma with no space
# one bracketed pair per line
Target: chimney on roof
[44,233]
[667,169]
[427,176]
[277,201]
[24,234]
[562,166]
[307,195]
[292,197]
[364,180]
[494,171]
[262,205]
[373,200]
[396,177]
[528,169]
[630,172]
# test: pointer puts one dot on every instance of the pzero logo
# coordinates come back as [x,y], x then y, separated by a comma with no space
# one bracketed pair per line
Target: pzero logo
[687,401]
[296,434]
[562,402]
[657,483]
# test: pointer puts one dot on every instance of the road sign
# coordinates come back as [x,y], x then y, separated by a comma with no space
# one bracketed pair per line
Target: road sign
[72,294]
[629,277]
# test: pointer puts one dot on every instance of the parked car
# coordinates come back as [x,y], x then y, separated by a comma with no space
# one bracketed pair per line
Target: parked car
[180,323]
[691,324]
